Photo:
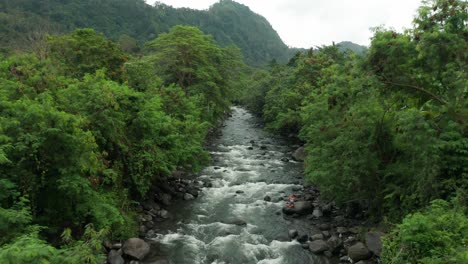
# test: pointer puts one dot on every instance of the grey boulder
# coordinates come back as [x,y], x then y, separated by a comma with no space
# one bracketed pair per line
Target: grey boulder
[299,154]
[359,252]
[374,242]
[115,257]
[318,246]
[136,248]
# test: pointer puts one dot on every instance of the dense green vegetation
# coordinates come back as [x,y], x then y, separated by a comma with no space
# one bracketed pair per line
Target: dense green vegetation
[91,118]
[86,129]
[133,22]
[388,129]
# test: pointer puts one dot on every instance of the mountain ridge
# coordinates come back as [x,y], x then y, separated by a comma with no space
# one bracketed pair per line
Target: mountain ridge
[24,21]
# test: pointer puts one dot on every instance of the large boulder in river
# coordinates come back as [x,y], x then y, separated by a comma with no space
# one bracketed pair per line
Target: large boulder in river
[136,248]
[299,154]
[359,252]
[293,233]
[374,242]
[300,208]
[188,197]
[115,257]
[166,199]
[318,246]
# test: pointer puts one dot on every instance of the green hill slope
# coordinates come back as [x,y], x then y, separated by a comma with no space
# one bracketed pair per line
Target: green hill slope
[22,21]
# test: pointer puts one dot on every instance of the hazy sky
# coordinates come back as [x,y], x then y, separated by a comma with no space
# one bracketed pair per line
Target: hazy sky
[307,23]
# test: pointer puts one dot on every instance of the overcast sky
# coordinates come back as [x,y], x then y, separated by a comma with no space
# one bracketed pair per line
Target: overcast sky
[307,23]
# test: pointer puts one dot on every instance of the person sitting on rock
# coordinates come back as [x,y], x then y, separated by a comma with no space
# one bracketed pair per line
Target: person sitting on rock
[289,204]
[292,198]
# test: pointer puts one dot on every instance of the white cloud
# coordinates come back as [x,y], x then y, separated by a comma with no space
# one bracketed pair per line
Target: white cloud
[306,23]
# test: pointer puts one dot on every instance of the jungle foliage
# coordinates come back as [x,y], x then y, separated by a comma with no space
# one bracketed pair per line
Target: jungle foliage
[388,128]
[86,128]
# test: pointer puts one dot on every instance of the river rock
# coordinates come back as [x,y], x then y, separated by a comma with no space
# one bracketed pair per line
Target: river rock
[324,226]
[349,242]
[317,213]
[284,159]
[117,246]
[161,261]
[354,230]
[164,214]
[297,188]
[302,238]
[150,204]
[267,198]
[334,244]
[316,237]
[345,259]
[374,242]
[136,248]
[237,222]
[326,234]
[115,257]
[188,197]
[166,199]
[193,191]
[300,208]
[327,208]
[318,246]
[341,230]
[293,233]
[299,154]
[339,220]
[239,191]
[358,252]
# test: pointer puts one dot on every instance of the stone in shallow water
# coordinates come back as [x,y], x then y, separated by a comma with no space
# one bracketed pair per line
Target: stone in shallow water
[293,233]
[358,252]
[136,248]
[188,197]
[316,237]
[317,213]
[374,242]
[115,257]
[302,238]
[299,154]
[318,246]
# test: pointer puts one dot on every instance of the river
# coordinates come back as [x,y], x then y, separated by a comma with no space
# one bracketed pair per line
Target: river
[230,222]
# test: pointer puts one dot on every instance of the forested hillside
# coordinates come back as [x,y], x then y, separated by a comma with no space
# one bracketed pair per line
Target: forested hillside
[347,45]
[388,129]
[133,22]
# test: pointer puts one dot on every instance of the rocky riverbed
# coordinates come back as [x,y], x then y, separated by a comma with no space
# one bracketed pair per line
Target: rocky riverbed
[235,210]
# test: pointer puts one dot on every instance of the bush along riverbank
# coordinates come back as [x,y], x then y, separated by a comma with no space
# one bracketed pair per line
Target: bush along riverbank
[386,128]
[344,234]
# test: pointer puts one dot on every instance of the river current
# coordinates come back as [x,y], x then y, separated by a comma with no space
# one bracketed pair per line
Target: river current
[230,222]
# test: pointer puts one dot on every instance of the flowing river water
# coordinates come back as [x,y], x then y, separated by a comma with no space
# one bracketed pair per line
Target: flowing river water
[230,222]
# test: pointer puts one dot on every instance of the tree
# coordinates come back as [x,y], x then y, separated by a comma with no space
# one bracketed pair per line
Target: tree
[187,57]
[84,51]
